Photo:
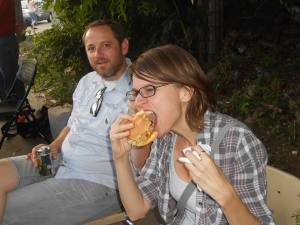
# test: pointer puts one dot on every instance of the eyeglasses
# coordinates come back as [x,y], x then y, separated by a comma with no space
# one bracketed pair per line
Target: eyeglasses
[145,92]
[97,105]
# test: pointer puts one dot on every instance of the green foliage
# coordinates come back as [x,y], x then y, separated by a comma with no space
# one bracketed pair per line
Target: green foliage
[298,218]
[61,61]
[261,87]
[60,52]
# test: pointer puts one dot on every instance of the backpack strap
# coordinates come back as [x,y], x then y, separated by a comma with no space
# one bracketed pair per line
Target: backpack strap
[223,131]
[192,186]
[185,196]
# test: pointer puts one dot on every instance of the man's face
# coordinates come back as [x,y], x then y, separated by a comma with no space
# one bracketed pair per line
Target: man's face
[105,54]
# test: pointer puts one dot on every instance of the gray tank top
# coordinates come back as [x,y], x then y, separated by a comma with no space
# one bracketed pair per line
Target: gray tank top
[177,186]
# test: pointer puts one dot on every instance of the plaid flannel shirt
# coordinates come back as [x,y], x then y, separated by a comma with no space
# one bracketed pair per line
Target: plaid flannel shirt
[242,158]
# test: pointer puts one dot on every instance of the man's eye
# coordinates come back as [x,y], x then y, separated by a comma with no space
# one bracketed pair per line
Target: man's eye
[106,45]
[91,49]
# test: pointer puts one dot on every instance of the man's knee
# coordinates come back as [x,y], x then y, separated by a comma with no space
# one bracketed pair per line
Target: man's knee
[9,177]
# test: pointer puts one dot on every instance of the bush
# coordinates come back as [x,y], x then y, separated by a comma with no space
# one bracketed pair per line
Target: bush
[61,59]
[60,52]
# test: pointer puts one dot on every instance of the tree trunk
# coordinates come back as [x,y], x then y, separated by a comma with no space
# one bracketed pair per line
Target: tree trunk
[210,31]
[215,29]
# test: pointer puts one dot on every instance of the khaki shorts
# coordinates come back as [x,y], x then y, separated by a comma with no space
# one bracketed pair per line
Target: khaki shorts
[28,174]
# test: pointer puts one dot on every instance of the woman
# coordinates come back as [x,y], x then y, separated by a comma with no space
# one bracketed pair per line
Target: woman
[232,181]
[32,7]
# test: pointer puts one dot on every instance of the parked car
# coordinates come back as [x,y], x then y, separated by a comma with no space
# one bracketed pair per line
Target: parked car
[41,13]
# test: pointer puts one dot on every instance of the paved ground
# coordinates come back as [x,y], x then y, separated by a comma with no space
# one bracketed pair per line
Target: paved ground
[41,26]
[17,145]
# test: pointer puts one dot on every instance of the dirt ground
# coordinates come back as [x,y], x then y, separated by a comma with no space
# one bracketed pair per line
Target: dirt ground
[259,80]
[281,155]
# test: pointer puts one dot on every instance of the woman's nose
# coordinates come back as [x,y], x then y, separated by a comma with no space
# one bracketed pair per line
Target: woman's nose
[140,101]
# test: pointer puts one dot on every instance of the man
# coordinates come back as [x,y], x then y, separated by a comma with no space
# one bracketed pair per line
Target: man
[84,187]
[10,27]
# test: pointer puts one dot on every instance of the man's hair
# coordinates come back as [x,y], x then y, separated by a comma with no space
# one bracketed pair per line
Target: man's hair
[116,28]
[172,64]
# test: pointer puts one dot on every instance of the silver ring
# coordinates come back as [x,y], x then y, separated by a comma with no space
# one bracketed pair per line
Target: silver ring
[196,155]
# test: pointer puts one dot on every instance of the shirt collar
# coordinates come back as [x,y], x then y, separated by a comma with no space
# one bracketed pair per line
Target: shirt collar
[204,134]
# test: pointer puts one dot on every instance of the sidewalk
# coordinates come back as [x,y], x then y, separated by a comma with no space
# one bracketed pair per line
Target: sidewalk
[17,145]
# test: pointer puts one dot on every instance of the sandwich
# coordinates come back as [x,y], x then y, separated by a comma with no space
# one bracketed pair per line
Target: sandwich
[143,131]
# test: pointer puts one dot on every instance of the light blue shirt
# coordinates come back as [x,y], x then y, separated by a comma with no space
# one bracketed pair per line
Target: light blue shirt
[86,149]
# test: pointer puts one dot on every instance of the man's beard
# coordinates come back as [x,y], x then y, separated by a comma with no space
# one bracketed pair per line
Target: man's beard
[111,72]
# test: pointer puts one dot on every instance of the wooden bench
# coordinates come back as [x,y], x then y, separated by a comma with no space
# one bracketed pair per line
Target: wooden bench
[283,199]
[110,219]
[283,196]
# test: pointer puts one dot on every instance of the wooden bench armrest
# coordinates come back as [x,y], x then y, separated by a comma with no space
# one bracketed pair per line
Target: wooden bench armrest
[110,219]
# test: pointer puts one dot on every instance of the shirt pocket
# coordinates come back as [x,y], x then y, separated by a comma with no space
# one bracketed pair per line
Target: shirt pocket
[83,103]
[106,117]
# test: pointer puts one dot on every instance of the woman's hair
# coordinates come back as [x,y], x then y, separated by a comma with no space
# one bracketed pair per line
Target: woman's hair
[116,28]
[172,64]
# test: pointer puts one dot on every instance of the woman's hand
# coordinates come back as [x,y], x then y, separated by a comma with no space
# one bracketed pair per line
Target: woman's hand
[118,135]
[208,176]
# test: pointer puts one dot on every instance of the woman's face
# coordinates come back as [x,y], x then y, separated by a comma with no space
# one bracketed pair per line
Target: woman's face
[167,104]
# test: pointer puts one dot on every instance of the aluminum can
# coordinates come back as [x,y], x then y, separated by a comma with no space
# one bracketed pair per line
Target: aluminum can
[44,161]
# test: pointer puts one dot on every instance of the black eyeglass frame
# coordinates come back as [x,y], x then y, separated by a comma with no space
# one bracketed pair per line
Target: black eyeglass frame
[95,107]
[132,94]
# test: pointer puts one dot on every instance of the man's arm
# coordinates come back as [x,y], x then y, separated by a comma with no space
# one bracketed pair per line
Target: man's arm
[56,144]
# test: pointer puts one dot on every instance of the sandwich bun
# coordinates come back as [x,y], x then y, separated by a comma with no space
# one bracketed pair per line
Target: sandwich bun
[143,131]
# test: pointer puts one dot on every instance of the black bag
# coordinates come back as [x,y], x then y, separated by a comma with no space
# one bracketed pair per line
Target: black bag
[29,125]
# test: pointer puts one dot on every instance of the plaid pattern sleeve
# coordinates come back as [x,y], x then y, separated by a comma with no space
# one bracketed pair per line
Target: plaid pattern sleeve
[154,177]
[249,177]
[148,182]
[243,158]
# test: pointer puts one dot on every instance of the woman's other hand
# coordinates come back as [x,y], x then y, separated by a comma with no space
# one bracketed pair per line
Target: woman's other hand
[208,176]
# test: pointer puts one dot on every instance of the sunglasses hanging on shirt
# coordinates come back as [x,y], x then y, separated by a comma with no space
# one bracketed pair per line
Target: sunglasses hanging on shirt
[95,108]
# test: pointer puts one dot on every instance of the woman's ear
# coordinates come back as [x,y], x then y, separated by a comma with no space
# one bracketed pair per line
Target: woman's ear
[186,93]
[125,46]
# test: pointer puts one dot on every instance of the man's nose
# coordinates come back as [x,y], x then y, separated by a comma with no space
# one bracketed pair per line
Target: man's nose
[99,52]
